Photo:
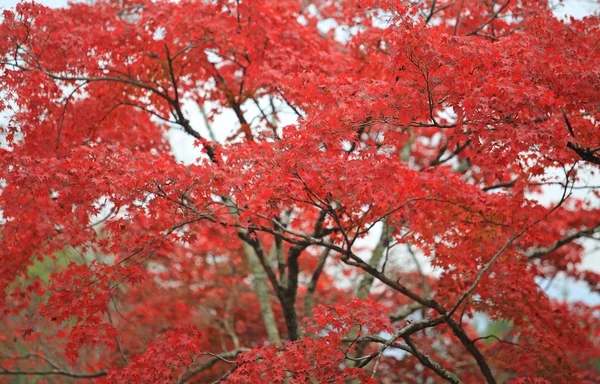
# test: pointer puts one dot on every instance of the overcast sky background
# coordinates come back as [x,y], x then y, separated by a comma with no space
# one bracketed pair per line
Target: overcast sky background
[226,123]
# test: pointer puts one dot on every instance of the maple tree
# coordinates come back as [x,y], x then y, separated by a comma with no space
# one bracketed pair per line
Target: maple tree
[430,125]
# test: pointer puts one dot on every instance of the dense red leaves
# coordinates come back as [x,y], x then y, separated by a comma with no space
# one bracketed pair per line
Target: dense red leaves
[296,362]
[343,318]
[317,357]
[166,359]
[526,380]
[79,296]
[440,118]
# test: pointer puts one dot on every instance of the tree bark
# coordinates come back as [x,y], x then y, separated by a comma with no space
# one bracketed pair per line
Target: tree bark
[259,281]
[261,288]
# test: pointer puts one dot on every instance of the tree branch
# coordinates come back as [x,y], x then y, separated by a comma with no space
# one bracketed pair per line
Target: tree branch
[55,372]
[538,253]
[216,358]
[426,361]
[494,16]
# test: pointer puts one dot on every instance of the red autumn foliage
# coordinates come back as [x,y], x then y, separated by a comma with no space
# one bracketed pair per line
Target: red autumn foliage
[429,126]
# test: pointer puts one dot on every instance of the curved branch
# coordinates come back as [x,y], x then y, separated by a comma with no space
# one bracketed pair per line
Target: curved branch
[426,361]
[216,358]
[75,375]
[540,252]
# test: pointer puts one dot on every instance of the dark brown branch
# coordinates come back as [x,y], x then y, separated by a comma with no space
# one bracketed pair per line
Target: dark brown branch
[496,338]
[405,311]
[296,111]
[494,16]
[438,160]
[216,358]
[462,336]
[569,127]
[352,259]
[426,361]
[260,254]
[431,11]
[289,293]
[540,252]
[55,372]
[501,185]
[586,154]
[264,115]
[454,326]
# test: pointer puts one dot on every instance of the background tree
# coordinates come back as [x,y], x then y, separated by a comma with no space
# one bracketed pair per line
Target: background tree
[427,125]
